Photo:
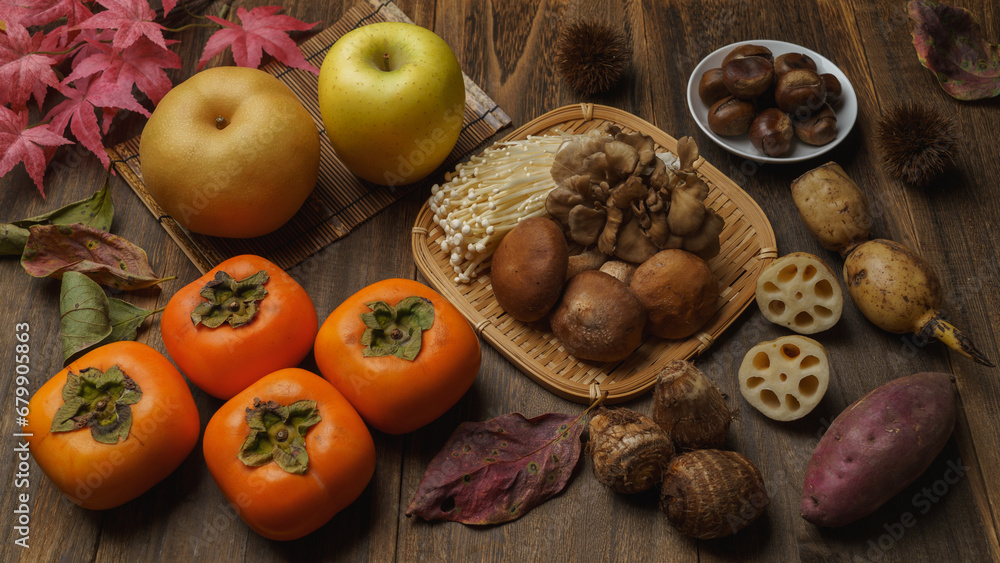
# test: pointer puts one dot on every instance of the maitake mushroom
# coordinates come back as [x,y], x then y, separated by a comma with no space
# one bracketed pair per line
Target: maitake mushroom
[615,191]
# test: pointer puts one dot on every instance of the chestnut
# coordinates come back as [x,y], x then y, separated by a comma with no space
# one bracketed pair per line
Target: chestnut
[748,77]
[748,51]
[731,116]
[819,128]
[771,132]
[712,88]
[791,61]
[799,92]
[834,92]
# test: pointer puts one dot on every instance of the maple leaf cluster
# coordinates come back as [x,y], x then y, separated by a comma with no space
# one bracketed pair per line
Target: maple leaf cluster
[108,51]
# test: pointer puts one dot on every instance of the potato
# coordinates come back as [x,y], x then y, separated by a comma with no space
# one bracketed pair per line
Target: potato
[529,269]
[897,290]
[878,446]
[833,207]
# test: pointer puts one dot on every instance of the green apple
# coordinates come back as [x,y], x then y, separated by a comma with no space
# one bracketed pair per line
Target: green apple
[230,152]
[392,97]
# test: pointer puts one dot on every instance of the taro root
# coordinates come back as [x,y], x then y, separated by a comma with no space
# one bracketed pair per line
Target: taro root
[529,269]
[819,128]
[679,292]
[711,87]
[598,318]
[800,92]
[712,493]
[731,116]
[630,452]
[771,132]
[689,407]
[791,61]
[748,77]
[616,193]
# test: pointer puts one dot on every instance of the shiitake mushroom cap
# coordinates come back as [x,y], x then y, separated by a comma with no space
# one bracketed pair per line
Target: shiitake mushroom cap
[598,318]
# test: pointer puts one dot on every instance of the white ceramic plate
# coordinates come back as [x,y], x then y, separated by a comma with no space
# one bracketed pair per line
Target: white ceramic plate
[847,111]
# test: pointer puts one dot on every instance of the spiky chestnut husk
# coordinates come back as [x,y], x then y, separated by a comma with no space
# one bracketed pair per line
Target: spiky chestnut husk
[917,142]
[689,407]
[630,452]
[592,56]
[712,493]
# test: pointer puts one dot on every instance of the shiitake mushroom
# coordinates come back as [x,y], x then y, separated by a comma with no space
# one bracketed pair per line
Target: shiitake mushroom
[598,318]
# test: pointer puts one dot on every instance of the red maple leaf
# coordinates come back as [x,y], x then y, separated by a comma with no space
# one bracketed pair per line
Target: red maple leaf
[130,18]
[20,143]
[22,71]
[44,12]
[260,30]
[87,95]
[142,64]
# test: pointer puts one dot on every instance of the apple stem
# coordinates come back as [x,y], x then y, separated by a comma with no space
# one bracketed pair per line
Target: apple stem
[385,62]
[221,122]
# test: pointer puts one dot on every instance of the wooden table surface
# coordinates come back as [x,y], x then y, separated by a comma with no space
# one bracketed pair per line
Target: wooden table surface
[506,47]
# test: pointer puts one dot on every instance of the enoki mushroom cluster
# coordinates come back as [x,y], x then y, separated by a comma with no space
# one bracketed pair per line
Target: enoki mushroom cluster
[488,195]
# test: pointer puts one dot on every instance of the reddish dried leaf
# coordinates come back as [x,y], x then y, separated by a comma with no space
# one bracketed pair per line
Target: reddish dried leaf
[44,12]
[142,64]
[20,143]
[78,111]
[950,42]
[496,471]
[103,257]
[22,72]
[260,30]
[131,19]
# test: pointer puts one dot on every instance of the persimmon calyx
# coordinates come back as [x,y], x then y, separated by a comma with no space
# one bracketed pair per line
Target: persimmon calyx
[277,433]
[396,331]
[99,400]
[230,300]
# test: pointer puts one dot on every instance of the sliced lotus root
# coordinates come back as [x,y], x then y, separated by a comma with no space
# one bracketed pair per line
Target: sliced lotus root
[801,292]
[785,378]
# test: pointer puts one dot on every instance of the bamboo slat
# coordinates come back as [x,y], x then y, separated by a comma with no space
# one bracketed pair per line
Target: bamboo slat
[747,247]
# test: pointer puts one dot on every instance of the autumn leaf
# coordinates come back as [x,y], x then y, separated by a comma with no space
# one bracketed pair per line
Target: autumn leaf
[496,471]
[96,211]
[23,72]
[260,29]
[78,111]
[130,19]
[143,64]
[53,250]
[21,143]
[44,12]
[950,42]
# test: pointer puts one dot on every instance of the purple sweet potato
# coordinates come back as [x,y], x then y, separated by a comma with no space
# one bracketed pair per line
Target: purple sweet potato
[878,446]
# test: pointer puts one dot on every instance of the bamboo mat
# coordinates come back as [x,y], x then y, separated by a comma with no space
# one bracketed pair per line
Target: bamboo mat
[340,201]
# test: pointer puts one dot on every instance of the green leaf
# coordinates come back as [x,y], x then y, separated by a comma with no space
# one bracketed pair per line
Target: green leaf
[63,421]
[84,314]
[126,319]
[12,239]
[53,250]
[96,211]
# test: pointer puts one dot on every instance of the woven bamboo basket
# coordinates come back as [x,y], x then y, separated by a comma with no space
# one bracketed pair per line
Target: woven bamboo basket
[747,247]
